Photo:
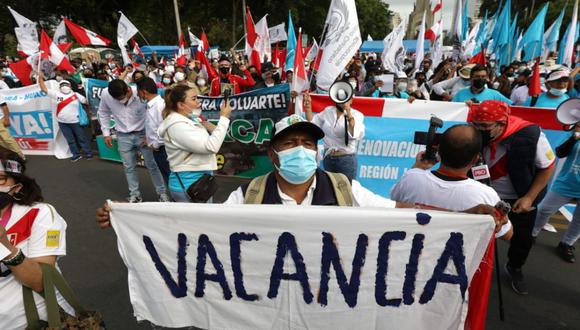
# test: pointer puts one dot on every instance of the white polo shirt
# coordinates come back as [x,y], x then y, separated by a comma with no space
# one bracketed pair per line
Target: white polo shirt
[154,110]
[334,130]
[129,118]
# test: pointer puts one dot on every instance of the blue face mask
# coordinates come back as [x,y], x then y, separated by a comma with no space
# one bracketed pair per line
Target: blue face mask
[297,164]
[557,92]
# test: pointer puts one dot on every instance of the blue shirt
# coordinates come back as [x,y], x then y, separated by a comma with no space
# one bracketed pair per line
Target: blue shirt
[568,181]
[402,95]
[485,95]
[188,178]
[544,101]
[574,93]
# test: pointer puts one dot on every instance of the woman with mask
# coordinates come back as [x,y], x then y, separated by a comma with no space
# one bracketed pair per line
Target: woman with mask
[166,80]
[190,141]
[22,247]
[202,86]
[67,114]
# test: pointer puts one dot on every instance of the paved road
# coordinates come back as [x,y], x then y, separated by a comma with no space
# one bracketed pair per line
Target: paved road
[97,274]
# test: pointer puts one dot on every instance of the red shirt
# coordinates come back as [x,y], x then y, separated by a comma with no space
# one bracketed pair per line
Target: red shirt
[239,84]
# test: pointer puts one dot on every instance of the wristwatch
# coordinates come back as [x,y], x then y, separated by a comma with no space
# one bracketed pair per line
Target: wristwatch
[16,260]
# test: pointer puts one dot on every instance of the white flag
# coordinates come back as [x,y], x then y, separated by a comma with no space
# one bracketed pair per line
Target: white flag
[470,43]
[27,39]
[194,41]
[393,56]
[262,43]
[437,55]
[420,48]
[313,51]
[60,36]
[125,31]
[341,43]
[278,33]
[21,20]
[569,50]
[369,38]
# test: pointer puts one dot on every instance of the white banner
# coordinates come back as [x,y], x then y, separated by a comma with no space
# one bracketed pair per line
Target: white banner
[33,121]
[268,267]
[278,33]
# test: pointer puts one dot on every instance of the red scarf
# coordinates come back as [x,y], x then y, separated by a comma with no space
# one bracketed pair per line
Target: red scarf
[513,125]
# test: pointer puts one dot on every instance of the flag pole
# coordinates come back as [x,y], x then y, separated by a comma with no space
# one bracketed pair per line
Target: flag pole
[319,47]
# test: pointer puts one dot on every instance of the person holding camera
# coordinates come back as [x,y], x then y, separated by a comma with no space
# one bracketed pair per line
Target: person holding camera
[191,142]
[343,128]
[565,189]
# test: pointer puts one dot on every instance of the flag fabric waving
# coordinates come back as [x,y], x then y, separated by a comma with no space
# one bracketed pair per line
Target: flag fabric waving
[434,31]
[86,37]
[290,45]
[205,41]
[570,40]
[552,35]
[251,42]
[263,42]
[195,41]
[420,48]
[535,88]
[438,6]
[181,59]
[300,79]
[278,33]
[125,31]
[24,68]
[53,53]
[534,36]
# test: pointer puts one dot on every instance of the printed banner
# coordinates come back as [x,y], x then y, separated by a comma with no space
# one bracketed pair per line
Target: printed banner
[33,121]
[93,89]
[253,117]
[387,150]
[255,267]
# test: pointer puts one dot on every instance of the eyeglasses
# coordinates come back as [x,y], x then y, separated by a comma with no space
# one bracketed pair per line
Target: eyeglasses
[3,179]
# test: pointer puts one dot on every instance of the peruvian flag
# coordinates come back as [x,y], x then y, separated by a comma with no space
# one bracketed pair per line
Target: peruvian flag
[276,56]
[136,49]
[84,36]
[54,54]
[195,41]
[479,58]
[206,69]
[23,68]
[205,42]
[434,32]
[180,58]
[438,6]
[251,42]
[535,87]
[300,80]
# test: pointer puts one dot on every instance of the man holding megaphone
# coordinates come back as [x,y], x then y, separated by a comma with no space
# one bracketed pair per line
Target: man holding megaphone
[343,128]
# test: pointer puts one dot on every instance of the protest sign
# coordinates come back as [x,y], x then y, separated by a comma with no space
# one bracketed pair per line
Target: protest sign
[387,150]
[253,117]
[33,121]
[94,88]
[255,267]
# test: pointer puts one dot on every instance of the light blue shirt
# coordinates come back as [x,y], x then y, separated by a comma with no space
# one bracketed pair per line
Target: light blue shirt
[485,95]
[568,181]
[188,178]
[544,101]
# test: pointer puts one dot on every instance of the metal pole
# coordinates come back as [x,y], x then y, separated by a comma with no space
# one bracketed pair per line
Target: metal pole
[177,21]
[319,47]
[244,16]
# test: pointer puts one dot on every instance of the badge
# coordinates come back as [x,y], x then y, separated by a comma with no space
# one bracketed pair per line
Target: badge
[550,154]
[53,238]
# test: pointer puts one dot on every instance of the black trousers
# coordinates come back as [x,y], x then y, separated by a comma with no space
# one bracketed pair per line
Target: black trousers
[521,242]
[160,156]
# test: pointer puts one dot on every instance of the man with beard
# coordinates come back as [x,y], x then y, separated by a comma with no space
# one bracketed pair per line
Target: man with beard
[521,163]
[226,80]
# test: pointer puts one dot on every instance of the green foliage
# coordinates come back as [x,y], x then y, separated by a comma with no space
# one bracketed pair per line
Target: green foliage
[155,19]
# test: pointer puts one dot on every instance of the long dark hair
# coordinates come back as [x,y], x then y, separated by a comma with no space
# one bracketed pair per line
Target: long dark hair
[30,192]
[172,96]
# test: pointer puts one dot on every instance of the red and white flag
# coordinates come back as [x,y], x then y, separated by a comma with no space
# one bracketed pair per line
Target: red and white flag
[263,41]
[60,38]
[434,32]
[205,42]
[181,58]
[24,68]
[84,36]
[206,70]
[438,6]
[251,42]
[300,79]
[136,49]
[195,41]
[54,54]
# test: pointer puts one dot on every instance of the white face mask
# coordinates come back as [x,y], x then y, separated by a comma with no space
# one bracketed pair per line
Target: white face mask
[179,76]
[352,83]
[201,82]
[402,86]
[511,79]
[58,78]
[6,189]
[65,89]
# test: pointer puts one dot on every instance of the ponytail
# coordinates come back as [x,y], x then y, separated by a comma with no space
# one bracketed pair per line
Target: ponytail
[174,95]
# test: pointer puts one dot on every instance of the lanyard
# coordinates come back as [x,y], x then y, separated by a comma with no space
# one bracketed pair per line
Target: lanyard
[6,216]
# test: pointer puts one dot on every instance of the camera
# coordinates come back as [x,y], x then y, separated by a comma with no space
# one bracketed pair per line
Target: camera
[430,138]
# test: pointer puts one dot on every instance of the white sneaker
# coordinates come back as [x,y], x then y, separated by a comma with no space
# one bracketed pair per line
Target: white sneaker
[165,198]
[135,199]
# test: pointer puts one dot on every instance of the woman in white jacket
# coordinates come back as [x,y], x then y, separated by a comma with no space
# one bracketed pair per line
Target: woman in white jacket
[191,142]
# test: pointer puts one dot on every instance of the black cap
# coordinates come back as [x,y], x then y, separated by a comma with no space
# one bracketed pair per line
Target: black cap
[224,58]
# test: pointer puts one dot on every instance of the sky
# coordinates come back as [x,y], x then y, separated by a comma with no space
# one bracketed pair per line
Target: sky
[404,8]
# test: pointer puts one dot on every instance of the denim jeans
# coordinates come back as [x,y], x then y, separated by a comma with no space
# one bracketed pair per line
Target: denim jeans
[549,205]
[74,133]
[129,144]
[160,156]
[345,164]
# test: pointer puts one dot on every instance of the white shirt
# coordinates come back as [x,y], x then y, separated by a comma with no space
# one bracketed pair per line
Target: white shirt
[423,188]
[504,187]
[3,85]
[47,223]
[520,95]
[450,86]
[362,197]
[129,118]
[154,109]
[334,130]
[70,113]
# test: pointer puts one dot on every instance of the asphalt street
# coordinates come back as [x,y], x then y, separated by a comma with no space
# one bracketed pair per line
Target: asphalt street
[98,276]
